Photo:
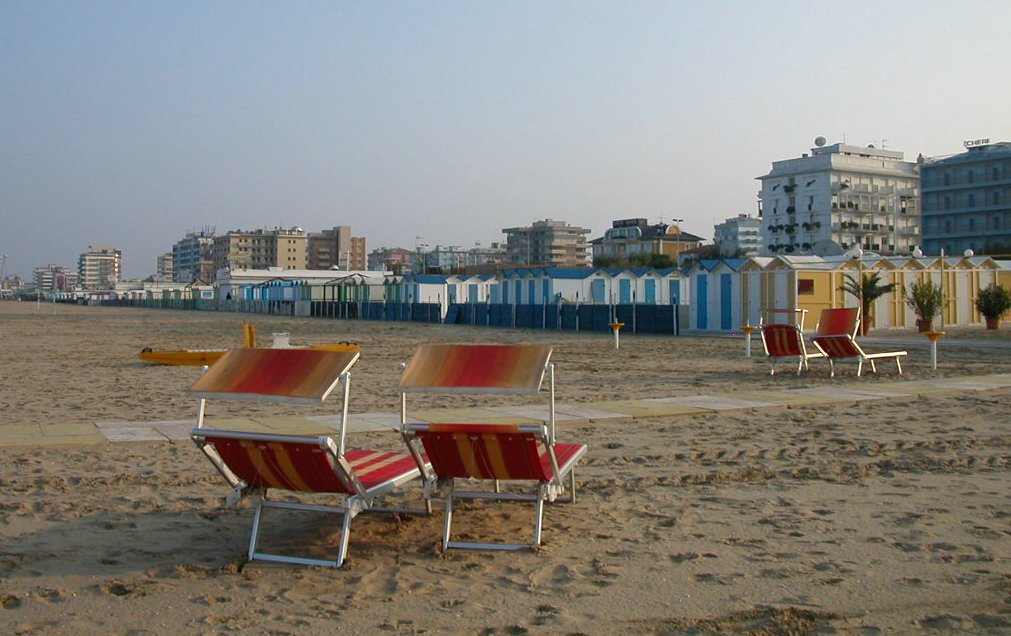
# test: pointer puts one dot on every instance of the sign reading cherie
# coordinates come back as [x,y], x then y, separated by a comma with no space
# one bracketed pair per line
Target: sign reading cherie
[975,142]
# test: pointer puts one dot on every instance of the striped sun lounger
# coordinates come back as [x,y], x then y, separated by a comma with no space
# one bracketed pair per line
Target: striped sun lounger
[463,456]
[254,462]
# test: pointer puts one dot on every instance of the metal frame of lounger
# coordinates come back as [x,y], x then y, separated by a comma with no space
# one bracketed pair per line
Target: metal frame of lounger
[845,346]
[296,376]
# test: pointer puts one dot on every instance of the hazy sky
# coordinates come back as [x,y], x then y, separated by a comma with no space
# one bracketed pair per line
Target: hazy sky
[128,123]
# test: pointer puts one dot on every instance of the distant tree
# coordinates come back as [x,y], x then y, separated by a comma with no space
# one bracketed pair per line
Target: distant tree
[707,251]
[607,260]
[639,259]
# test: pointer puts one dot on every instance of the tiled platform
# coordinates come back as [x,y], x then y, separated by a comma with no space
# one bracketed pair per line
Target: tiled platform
[85,433]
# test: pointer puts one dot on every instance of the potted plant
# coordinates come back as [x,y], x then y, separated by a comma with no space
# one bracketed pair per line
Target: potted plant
[868,289]
[926,299]
[993,302]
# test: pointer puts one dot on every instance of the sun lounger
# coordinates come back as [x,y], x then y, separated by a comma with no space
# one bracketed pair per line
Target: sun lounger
[254,462]
[845,346]
[786,341]
[466,456]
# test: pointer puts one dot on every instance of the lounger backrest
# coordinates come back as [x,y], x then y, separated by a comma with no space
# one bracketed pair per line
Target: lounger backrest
[481,368]
[838,321]
[486,451]
[306,465]
[302,376]
[782,340]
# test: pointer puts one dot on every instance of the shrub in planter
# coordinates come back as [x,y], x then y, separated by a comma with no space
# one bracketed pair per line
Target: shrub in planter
[926,299]
[993,302]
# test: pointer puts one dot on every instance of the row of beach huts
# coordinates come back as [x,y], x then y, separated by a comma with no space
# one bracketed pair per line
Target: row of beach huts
[719,295]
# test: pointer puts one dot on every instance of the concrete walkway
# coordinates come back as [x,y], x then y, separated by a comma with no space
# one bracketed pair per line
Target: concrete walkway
[85,433]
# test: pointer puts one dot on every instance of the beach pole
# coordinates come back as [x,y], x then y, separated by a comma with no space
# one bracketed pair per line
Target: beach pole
[748,329]
[616,327]
[933,336]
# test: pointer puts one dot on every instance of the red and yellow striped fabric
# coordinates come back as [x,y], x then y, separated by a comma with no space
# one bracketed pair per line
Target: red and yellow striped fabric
[516,368]
[305,467]
[838,346]
[490,451]
[781,340]
[307,374]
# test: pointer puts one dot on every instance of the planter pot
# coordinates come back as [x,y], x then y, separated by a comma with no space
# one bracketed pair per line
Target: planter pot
[992,323]
[923,326]
[865,326]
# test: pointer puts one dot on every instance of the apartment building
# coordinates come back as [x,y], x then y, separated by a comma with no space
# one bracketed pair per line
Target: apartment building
[739,236]
[839,197]
[55,278]
[391,259]
[967,200]
[628,237]
[165,266]
[100,267]
[547,243]
[261,249]
[337,249]
[193,256]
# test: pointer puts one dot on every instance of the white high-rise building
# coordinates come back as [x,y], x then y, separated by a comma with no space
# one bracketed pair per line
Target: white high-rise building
[840,197]
[739,236]
[100,267]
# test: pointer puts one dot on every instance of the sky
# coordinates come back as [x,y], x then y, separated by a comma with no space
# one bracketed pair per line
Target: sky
[129,123]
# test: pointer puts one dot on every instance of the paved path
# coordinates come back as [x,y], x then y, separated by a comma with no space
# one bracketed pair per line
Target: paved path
[86,433]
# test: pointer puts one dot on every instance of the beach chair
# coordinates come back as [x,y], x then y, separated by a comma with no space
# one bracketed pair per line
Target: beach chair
[844,346]
[838,321]
[255,462]
[471,460]
[786,341]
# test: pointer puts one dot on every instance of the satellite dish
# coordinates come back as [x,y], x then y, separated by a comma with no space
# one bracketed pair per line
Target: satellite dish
[819,141]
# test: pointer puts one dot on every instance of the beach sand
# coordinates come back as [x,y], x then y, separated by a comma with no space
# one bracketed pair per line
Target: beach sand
[837,515]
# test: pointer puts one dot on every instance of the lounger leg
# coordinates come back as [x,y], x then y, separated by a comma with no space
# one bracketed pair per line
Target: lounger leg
[342,547]
[572,485]
[254,537]
[898,364]
[448,522]
[538,521]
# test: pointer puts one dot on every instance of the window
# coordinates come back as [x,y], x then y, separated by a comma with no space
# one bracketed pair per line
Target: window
[805,286]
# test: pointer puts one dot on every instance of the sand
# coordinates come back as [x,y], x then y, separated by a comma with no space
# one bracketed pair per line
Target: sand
[841,515]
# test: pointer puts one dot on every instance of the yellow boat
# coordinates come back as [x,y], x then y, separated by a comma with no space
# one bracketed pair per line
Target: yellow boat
[207,357]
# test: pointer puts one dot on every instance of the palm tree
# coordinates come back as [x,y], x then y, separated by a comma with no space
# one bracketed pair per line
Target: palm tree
[869,289]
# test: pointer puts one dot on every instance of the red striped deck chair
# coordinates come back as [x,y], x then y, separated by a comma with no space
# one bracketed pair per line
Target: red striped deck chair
[524,456]
[254,463]
[844,346]
[786,341]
